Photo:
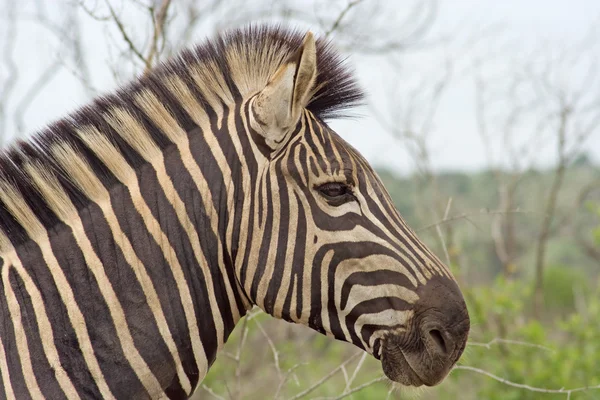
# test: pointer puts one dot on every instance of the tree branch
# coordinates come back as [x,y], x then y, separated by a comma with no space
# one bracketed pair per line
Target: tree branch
[132,47]
[340,17]
[466,216]
[10,81]
[530,388]
[158,33]
[325,378]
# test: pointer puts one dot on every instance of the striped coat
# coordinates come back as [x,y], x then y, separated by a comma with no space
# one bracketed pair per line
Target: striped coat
[136,232]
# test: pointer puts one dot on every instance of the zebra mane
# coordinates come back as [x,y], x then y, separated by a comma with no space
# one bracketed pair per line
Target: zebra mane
[227,68]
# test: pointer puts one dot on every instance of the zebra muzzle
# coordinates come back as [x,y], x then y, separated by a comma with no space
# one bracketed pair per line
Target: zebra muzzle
[435,338]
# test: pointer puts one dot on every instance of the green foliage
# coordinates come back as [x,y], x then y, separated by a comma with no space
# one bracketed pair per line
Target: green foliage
[561,285]
[595,209]
[562,352]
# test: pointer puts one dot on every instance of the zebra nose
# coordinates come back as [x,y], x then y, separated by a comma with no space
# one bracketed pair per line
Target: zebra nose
[438,341]
[437,335]
[442,320]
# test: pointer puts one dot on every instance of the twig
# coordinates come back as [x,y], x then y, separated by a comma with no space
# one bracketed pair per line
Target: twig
[361,387]
[92,13]
[358,367]
[355,389]
[124,34]
[81,69]
[472,214]
[34,90]
[410,38]
[441,236]
[550,211]
[285,378]
[524,386]
[340,17]
[159,24]
[255,312]
[10,65]
[489,344]
[229,355]
[325,378]
[212,393]
[272,346]
[238,357]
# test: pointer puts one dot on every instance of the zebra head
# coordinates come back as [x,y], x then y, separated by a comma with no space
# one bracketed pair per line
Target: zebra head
[333,253]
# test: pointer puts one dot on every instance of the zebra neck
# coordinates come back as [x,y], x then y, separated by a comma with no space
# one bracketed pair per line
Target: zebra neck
[199,181]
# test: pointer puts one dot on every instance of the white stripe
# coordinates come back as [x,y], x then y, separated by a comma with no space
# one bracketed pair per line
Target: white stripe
[76,167]
[127,126]
[45,330]
[8,389]
[169,126]
[126,174]
[25,216]
[20,338]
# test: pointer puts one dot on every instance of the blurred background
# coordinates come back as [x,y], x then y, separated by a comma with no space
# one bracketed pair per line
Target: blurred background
[482,118]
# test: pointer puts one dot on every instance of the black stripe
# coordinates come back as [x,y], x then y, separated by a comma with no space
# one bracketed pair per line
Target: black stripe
[7,334]
[300,260]
[265,239]
[374,305]
[373,278]
[282,240]
[44,374]
[157,354]
[213,176]
[65,339]
[120,377]
[192,198]
[99,324]
[167,218]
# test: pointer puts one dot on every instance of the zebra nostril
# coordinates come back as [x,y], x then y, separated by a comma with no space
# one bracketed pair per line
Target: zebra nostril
[438,340]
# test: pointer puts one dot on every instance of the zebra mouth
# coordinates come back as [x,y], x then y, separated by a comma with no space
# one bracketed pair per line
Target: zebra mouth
[396,366]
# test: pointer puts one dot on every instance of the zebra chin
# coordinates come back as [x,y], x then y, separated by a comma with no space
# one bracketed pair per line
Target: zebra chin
[434,340]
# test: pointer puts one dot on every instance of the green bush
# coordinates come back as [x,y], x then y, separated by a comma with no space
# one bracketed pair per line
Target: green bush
[559,353]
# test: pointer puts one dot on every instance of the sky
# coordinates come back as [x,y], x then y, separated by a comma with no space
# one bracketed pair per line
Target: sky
[453,141]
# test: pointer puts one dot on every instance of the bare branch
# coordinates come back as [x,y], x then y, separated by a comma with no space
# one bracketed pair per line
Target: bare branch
[472,214]
[340,17]
[286,376]
[489,344]
[589,247]
[212,393]
[34,90]
[238,357]
[549,212]
[325,378]
[361,387]
[132,47]
[568,392]
[355,373]
[9,37]
[441,236]
[92,12]
[272,346]
[158,33]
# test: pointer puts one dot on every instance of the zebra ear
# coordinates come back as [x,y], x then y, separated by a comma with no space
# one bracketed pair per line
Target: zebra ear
[278,107]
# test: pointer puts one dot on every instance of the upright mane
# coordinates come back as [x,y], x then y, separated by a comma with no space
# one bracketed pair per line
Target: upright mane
[226,68]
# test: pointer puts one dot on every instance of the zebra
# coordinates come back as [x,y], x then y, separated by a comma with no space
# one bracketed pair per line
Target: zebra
[136,232]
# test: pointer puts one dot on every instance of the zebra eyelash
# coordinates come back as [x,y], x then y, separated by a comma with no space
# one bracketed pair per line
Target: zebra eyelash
[336,193]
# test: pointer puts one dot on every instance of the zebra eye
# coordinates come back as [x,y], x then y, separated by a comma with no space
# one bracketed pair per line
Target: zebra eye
[336,193]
